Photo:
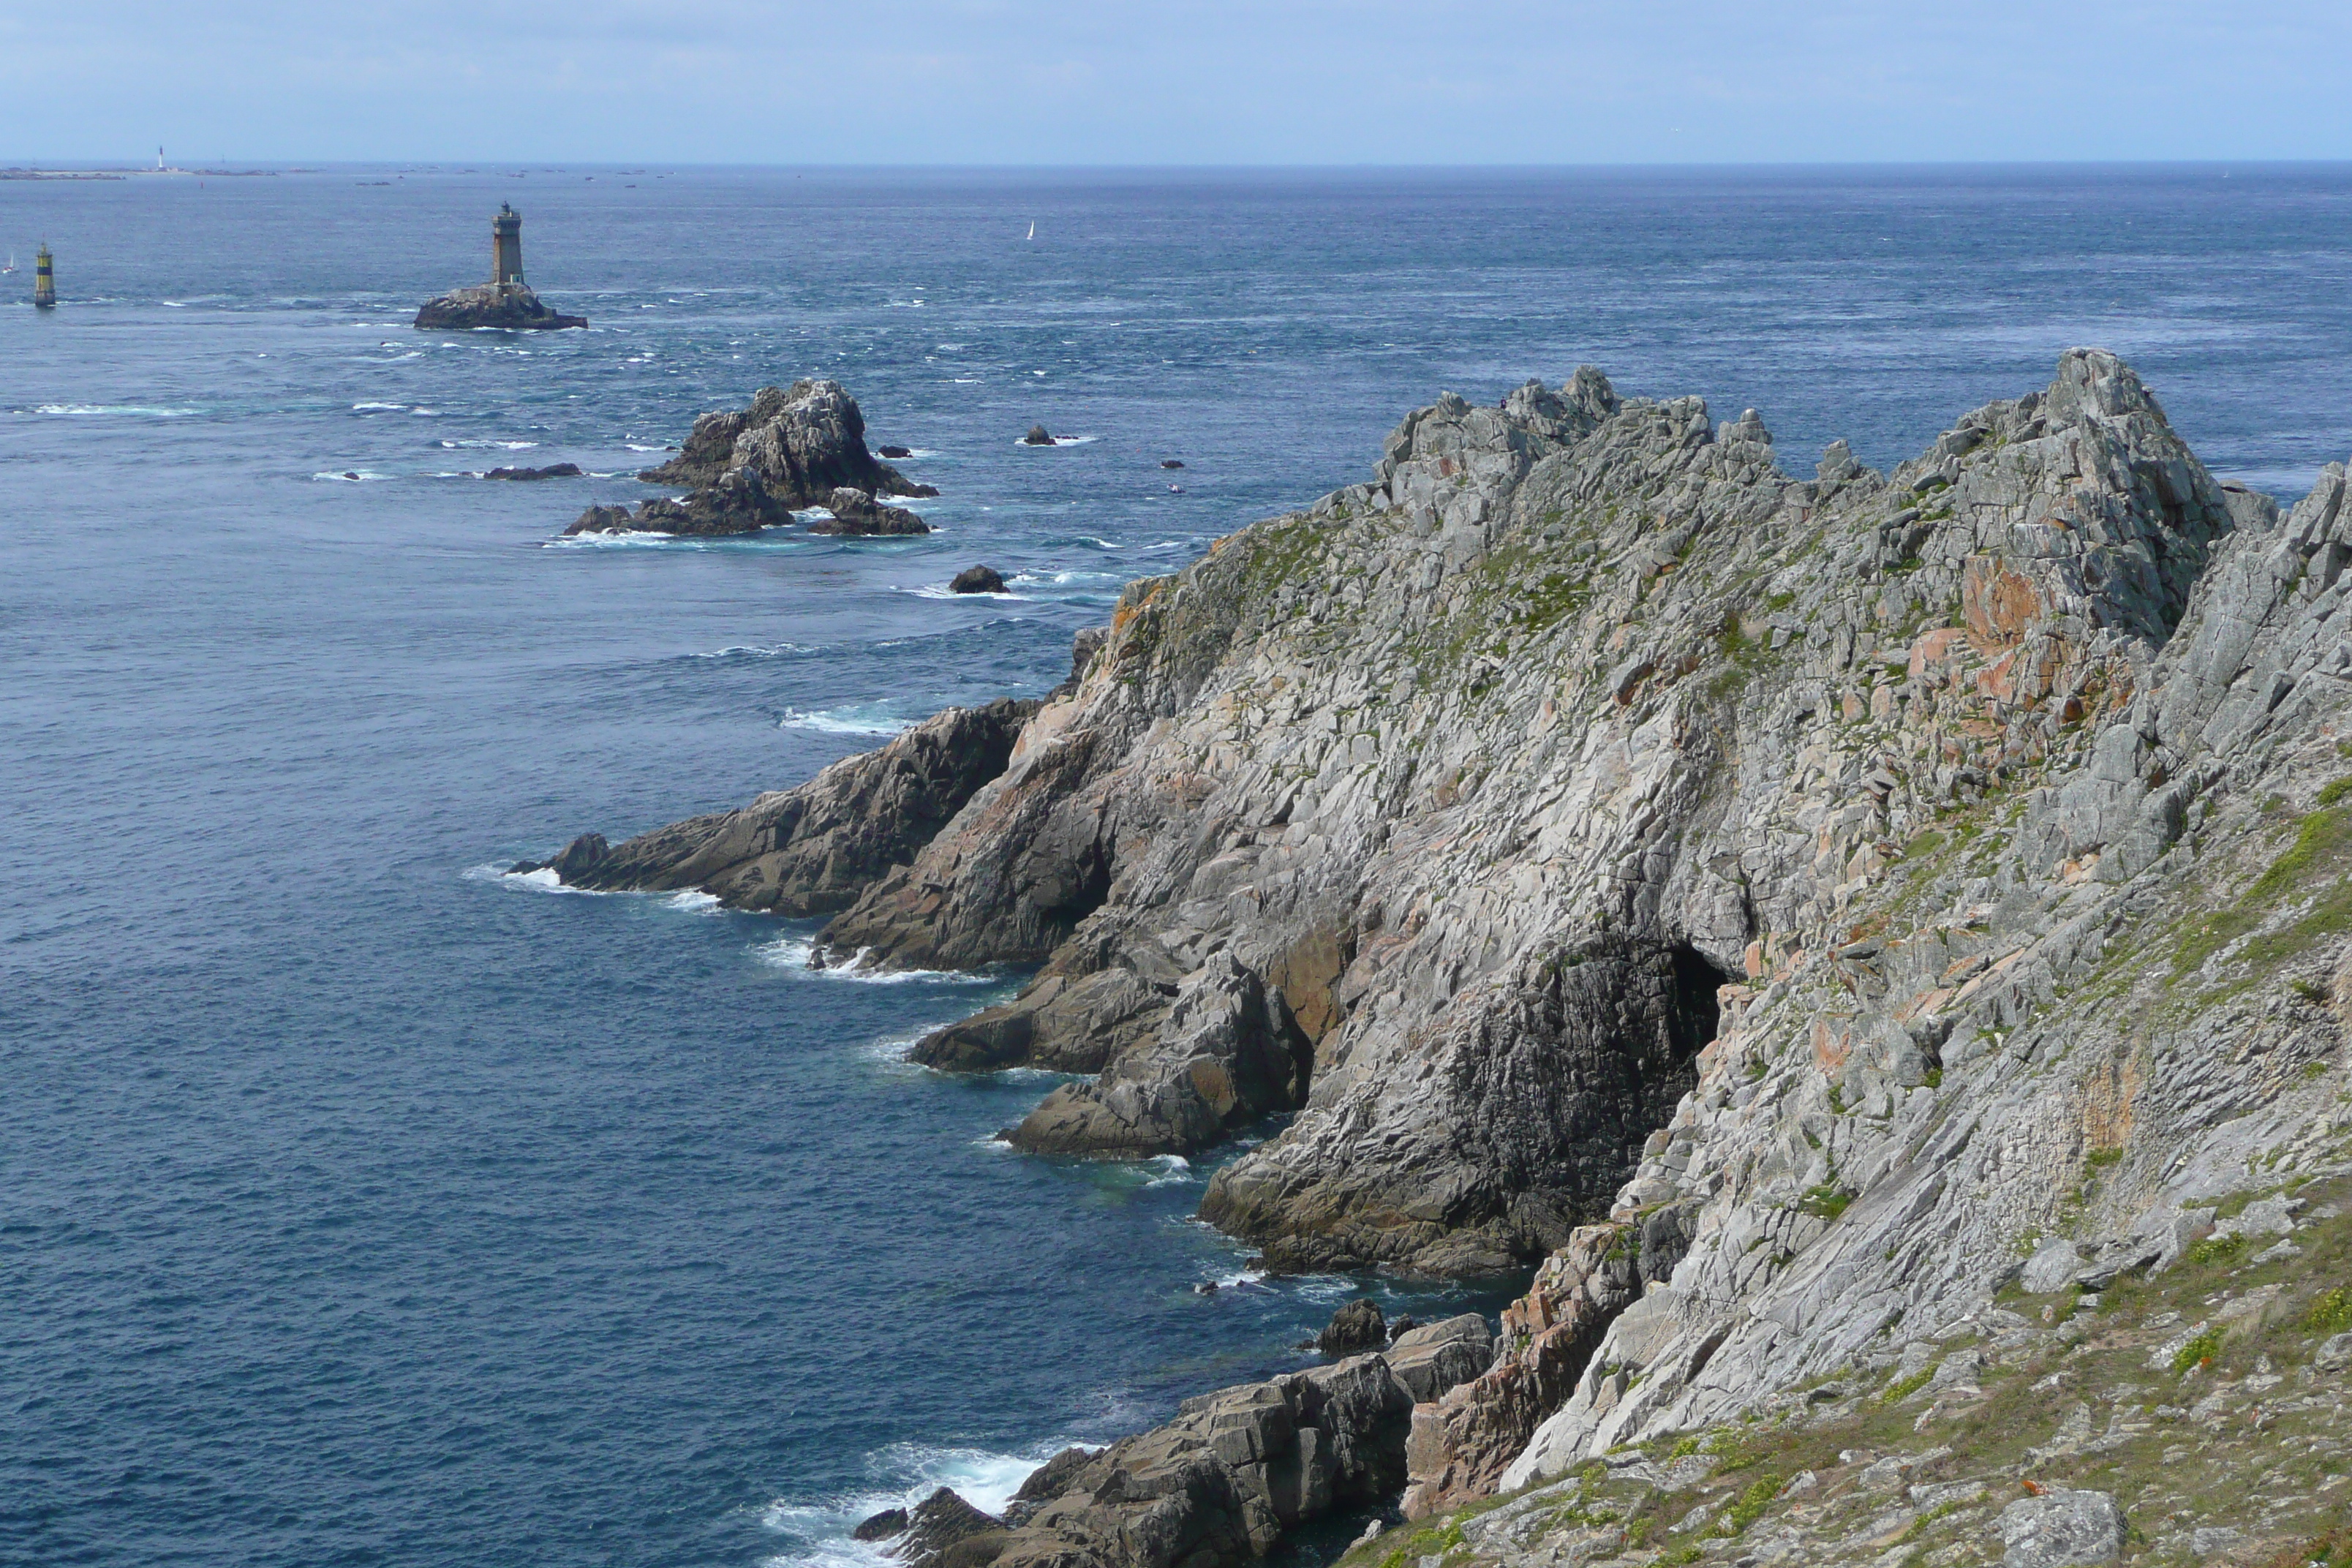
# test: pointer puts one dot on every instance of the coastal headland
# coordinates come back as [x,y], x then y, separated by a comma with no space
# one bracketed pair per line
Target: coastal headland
[1833,928]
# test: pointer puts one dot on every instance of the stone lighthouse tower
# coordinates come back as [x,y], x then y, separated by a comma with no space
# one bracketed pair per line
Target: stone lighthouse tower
[45,278]
[505,301]
[506,247]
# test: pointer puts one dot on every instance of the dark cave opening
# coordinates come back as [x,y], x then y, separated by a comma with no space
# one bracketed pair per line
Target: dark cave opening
[1696,1016]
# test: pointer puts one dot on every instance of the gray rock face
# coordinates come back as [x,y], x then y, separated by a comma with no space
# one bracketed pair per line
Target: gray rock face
[809,850]
[2062,1530]
[509,306]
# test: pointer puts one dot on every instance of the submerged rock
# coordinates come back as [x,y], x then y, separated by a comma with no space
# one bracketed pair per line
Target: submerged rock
[1171,463]
[893,452]
[511,306]
[977,580]
[552,471]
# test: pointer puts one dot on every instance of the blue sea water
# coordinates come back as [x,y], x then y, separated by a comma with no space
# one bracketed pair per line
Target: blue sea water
[359,1204]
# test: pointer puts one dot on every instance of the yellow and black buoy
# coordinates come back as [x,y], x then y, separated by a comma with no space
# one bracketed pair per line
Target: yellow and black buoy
[44,280]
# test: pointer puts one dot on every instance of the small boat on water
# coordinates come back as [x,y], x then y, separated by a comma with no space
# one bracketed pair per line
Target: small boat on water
[12,263]
[1032,234]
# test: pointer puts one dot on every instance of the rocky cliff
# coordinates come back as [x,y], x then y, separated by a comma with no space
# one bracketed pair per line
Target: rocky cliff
[1786,909]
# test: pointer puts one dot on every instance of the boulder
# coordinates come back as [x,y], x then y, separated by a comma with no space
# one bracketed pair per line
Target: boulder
[1357,1326]
[977,580]
[893,452]
[1037,437]
[1434,1359]
[855,513]
[2052,1267]
[1171,463]
[2062,1529]
[510,306]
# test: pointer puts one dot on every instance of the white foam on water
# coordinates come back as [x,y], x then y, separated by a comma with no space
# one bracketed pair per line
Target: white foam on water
[423,413]
[1061,440]
[858,719]
[941,591]
[640,446]
[626,539]
[353,476]
[379,407]
[755,650]
[82,409]
[1170,1170]
[794,953]
[904,1475]
[693,901]
[500,445]
[543,880]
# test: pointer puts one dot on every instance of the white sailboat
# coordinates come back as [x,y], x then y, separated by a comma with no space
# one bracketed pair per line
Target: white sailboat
[1032,228]
[12,263]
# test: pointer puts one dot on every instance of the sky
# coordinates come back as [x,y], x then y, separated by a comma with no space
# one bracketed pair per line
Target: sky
[1183,82]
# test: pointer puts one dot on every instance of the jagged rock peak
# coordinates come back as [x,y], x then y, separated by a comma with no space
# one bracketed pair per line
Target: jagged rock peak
[803,442]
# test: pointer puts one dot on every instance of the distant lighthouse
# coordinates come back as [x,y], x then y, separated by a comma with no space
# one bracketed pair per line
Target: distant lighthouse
[45,278]
[506,247]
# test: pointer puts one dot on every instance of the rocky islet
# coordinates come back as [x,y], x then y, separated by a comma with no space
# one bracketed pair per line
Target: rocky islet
[1790,911]
[746,469]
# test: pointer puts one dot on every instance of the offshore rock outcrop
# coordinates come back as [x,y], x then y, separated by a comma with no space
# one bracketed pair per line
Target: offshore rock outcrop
[512,307]
[1782,906]
[751,469]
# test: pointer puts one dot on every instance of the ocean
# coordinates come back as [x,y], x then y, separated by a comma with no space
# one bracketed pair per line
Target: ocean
[361,1204]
